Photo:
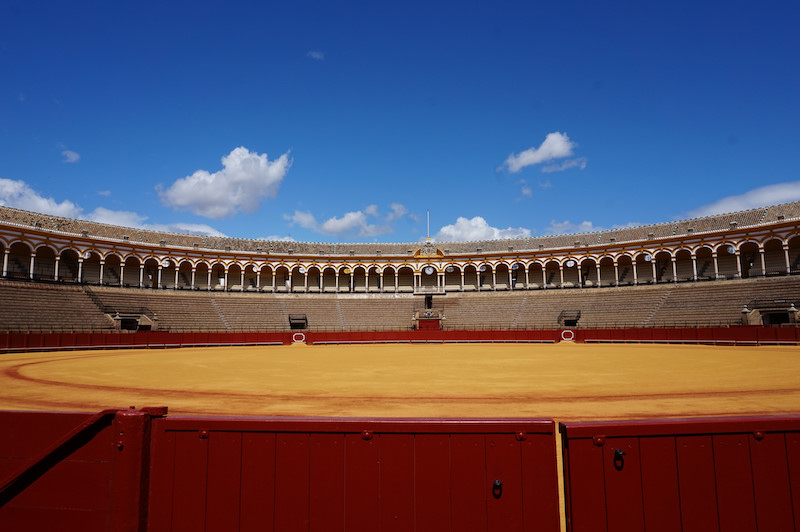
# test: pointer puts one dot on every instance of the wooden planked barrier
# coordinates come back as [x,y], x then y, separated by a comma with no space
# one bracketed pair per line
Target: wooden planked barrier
[694,474]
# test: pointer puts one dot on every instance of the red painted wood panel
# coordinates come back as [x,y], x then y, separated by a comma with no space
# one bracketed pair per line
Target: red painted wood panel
[771,481]
[191,470]
[362,482]
[432,481]
[327,462]
[258,482]
[697,483]
[397,482]
[793,460]
[623,479]
[29,519]
[504,463]
[660,494]
[469,481]
[224,481]
[162,477]
[734,482]
[586,498]
[539,482]
[291,482]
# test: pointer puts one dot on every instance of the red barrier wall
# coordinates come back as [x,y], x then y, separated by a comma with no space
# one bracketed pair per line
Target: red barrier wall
[712,474]
[353,474]
[741,335]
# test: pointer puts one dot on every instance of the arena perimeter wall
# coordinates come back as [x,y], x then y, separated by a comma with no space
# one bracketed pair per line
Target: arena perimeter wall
[54,341]
[135,470]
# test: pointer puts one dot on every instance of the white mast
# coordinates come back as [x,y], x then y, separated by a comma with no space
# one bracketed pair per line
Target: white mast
[429,225]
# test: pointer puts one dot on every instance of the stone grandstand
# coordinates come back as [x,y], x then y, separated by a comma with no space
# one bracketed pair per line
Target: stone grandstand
[63,274]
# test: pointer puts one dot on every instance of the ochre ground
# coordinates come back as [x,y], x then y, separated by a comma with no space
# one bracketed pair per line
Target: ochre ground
[564,381]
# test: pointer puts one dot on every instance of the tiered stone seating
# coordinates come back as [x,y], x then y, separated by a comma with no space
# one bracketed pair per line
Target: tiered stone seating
[37,307]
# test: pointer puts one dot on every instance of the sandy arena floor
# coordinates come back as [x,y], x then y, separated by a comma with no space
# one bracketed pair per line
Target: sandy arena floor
[565,381]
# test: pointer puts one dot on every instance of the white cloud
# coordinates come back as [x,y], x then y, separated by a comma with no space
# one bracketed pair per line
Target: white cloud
[758,197]
[525,188]
[580,163]
[477,228]
[371,210]
[555,146]
[104,193]
[185,229]
[245,179]
[316,54]
[71,156]
[351,224]
[20,195]
[567,227]
[122,218]
[398,211]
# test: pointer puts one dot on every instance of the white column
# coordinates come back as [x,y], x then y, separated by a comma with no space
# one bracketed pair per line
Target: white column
[510,280]
[616,273]
[716,265]
[5,262]
[102,269]
[462,280]
[674,269]
[561,273]
[739,264]
[194,272]
[208,286]
[258,280]
[597,268]
[494,279]
[122,274]
[80,269]
[580,275]
[305,281]
[242,282]
[694,268]
[177,271]
[33,260]
[273,280]
[58,263]
[382,287]
[396,282]
[141,275]
[158,284]
[635,273]
[763,262]
[337,281]
[544,277]
[786,255]
[653,263]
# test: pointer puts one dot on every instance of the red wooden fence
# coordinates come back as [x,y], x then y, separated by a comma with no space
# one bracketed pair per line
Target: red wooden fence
[699,474]
[740,335]
[133,470]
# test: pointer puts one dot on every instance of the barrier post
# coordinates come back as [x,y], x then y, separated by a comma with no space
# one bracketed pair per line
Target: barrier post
[130,468]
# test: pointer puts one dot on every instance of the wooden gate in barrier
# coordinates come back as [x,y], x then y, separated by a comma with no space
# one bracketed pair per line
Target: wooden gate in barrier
[698,474]
[134,470]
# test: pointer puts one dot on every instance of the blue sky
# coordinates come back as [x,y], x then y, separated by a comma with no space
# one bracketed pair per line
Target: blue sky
[347,121]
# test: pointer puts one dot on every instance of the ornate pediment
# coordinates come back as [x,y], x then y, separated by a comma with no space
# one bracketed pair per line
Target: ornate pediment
[428,250]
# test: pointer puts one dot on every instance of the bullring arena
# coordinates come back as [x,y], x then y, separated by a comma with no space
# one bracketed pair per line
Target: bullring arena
[622,363]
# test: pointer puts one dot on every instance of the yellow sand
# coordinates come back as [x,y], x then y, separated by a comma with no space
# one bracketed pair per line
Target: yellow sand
[565,381]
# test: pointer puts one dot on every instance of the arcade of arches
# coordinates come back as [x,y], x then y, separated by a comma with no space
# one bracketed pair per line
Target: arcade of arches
[723,260]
